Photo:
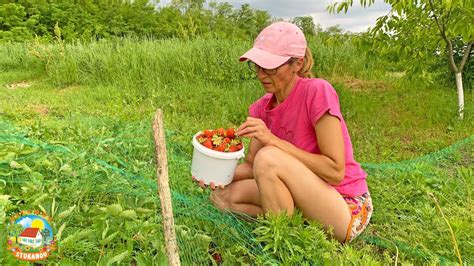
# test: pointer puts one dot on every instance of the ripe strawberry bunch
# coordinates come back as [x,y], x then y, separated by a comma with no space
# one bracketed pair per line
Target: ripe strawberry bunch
[220,140]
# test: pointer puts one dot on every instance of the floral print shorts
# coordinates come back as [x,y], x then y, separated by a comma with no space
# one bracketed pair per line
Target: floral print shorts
[361,210]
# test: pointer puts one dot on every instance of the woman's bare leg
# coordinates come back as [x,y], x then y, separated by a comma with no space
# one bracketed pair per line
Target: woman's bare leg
[276,170]
[281,183]
[239,196]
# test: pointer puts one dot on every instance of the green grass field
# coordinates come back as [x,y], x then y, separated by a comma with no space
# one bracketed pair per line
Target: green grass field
[76,142]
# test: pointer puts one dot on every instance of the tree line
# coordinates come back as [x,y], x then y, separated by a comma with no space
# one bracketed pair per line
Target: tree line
[22,20]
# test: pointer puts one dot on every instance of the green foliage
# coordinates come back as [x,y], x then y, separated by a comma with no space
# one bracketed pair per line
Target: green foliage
[15,25]
[295,241]
[422,31]
[306,24]
[91,20]
[17,57]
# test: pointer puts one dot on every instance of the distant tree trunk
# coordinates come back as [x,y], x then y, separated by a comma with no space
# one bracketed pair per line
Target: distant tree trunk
[457,69]
[460,95]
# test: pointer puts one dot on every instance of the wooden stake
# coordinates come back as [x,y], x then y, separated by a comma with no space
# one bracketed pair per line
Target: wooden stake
[164,189]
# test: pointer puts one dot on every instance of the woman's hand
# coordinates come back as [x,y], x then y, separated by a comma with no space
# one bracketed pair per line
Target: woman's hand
[212,185]
[256,128]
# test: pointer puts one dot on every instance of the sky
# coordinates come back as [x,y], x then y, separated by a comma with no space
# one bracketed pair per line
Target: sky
[357,18]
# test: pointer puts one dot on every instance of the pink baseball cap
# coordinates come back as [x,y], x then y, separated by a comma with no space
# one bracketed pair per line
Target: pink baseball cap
[276,44]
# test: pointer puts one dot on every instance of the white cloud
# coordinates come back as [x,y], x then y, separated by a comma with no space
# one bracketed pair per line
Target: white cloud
[25,222]
[357,18]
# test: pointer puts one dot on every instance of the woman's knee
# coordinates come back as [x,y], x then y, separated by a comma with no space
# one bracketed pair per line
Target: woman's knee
[265,159]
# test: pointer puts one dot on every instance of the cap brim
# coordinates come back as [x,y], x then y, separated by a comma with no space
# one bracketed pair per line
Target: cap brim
[263,58]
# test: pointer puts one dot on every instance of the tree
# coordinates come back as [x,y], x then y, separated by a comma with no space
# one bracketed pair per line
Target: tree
[185,5]
[46,235]
[87,20]
[169,18]
[250,20]
[16,230]
[421,28]
[14,23]
[222,14]
[306,24]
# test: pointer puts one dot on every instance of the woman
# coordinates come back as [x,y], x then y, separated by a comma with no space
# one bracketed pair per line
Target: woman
[300,153]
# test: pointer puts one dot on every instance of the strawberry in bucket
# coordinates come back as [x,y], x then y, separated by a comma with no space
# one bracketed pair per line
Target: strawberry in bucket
[216,154]
[220,140]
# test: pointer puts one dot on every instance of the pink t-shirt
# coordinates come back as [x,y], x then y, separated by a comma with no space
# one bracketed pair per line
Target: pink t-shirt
[294,119]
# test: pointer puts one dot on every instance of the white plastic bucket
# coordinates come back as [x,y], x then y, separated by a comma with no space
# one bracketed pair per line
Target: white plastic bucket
[215,166]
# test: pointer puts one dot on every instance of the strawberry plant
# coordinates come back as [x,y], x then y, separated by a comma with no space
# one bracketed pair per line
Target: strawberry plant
[223,140]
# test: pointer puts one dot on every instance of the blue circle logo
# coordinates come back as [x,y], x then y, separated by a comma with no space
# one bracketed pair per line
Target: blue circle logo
[30,236]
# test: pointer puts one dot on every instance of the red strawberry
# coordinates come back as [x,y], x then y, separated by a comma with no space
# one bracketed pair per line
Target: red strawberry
[220,131]
[217,258]
[233,148]
[230,133]
[207,144]
[208,133]
[221,147]
[223,140]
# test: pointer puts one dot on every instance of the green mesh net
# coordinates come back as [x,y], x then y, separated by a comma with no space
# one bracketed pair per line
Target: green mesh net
[101,193]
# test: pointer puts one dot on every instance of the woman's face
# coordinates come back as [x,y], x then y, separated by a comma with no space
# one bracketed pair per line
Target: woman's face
[282,77]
